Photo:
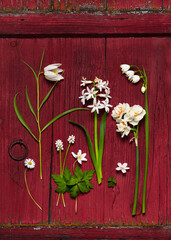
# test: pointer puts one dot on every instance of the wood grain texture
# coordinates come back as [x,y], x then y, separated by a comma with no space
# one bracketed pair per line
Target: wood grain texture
[85,24]
[136,5]
[166,4]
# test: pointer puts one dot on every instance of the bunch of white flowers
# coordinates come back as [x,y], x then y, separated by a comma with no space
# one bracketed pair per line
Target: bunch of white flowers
[99,93]
[124,115]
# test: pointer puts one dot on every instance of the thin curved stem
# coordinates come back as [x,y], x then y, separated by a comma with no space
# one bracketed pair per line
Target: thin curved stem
[29,191]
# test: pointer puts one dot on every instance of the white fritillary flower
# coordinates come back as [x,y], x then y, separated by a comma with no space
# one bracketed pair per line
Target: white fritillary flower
[135,79]
[71,139]
[134,115]
[83,97]
[96,106]
[119,110]
[106,105]
[59,145]
[125,67]
[123,128]
[52,72]
[85,82]
[29,163]
[79,156]
[91,93]
[122,167]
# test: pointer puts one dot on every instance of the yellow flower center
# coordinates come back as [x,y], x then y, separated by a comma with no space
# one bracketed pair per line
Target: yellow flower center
[30,163]
[79,156]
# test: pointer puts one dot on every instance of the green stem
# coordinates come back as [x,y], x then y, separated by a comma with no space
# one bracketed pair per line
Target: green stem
[60,160]
[137,179]
[65,157]
[96,135]
[28,189]
[147,152]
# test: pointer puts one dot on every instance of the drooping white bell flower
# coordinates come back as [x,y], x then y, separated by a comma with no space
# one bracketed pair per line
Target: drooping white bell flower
[122,167]
[29,163]
[143,89]
[119,110]
[135,79]
[134,115]
[123,128]
[130,74]
[52,72]
[125,67]
[79,156]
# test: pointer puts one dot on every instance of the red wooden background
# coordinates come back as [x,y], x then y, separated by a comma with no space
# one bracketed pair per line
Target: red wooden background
[86,45]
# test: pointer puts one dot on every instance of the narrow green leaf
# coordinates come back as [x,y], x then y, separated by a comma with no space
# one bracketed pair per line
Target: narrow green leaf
[21,118]
[74,191]
[47,96]
[61,115]
[102,137]
[30,105]
[31,70]
[41,61]
[89,142]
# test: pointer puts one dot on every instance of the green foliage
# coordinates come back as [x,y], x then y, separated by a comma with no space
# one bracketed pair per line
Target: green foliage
[111,182]
[74,184]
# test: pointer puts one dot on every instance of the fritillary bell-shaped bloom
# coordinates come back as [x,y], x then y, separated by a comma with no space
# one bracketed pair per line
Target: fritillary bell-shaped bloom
[135,79]
[123,128]
[119,110]
[52,72]
[122,167]
[29,163]
[59,145]
[125,67]
[71,139]
[134,115]
[79,156]
[96,106]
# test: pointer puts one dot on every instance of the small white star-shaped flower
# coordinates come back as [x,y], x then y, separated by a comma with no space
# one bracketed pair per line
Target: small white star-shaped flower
[122,167]
[79,156]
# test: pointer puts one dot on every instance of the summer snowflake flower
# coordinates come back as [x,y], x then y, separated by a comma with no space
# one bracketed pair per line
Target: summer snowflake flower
[71,139]
[85,82]
[91,93]
[83,97]
[130,74]
[119,110]
[29,163]
[134,115]
[123,128]
[79,156]
[143,89]
[135,79]
[106,105]
[96,106]
[52,71]
[122,167]
[59,145]
[125,67]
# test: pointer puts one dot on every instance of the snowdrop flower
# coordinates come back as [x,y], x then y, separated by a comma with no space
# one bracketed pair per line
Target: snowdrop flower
[119,110]
[125,67]
[130,74]
[91,93]
[143,89]
[59,145]
[71,139]
[52,71]
[96,106]
[79,156]
[85,81]
[135,79]
[122,167]
[106,105]
[29,163]
[134,115]
[83,97]
[123,128]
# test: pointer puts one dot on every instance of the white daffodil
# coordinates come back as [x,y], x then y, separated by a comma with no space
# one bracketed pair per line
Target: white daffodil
[134,115]
[83,97]
[29,163]
[130,74]
[122,167]
[143,89]
[96,106]
[106,105]
[79,156]
[123,128]
[91,93]
[59,145]
[135,79]
[71,139]
[85,82]
[106,94]
[119,110]
[52,72]
[125,67]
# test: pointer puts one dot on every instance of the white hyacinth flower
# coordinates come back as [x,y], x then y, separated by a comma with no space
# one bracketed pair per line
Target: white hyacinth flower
[143,89]
[71,139]
[79,156]
[134,115]
[91,93]
[135,79]
[96,106]
[52,72]
[85,82]
[119,110]
[100,84]
[83,97]
[123,128]
[130,74]
[106,94]
[59,145]
[122,167]
[29,163]
[106,105]
[125,67]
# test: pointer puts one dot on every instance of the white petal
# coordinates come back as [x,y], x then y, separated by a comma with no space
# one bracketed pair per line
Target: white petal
[118,168]
[120,164]
[135,79]
[52,66]
[74,155]
[124,165]
[123,170]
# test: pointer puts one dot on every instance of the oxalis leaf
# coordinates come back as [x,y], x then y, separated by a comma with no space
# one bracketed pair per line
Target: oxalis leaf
[111,182]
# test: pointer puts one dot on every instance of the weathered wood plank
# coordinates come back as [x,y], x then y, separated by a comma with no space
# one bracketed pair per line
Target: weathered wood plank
[30,5]
[133,5]
[85,24]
